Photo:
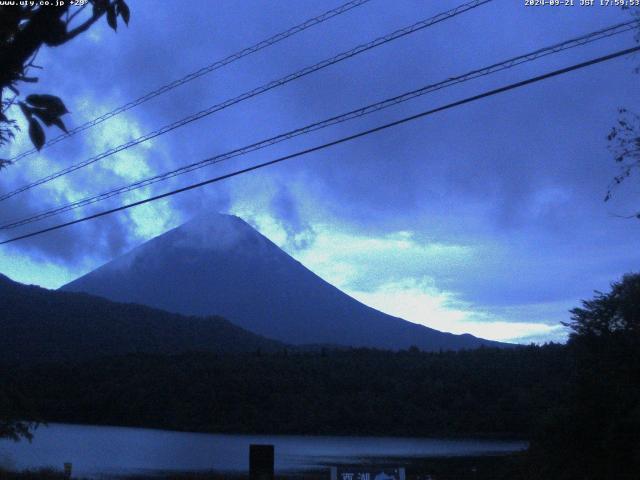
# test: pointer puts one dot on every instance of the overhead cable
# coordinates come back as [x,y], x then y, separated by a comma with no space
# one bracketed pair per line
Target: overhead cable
[199,73]
[364,133]
[256,91]
[353,114]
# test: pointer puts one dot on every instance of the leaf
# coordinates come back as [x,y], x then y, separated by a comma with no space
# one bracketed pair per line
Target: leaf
[111,17]
[123,11]
[26,110]
[99,6]
[60,124]
[50,103]
[45,116]
[49,119]
[36,133]
[55,33]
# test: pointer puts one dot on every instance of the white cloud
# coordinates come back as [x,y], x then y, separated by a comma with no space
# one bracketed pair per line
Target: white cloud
[21,268]
[348,260]
[150,219]
[265,224]
[420,302]
[371,261]
[130,164]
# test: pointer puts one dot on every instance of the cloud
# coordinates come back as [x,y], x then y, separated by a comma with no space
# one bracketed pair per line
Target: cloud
[420,302]
[274,206]
[283,207]
[414,280]
[376,260]
[404,277]
[496,205]
[105,238]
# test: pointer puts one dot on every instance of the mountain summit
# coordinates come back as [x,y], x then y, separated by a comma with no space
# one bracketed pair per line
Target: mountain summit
[220,265]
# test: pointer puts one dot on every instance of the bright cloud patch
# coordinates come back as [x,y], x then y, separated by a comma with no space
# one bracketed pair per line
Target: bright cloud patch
[422,303]
[400,275]
[365,263]
[150,219]
[130,164]
[22,268]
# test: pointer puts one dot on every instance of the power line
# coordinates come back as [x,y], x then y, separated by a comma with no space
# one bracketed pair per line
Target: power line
[257,91]
[489,93]
[203,71]
[510,63]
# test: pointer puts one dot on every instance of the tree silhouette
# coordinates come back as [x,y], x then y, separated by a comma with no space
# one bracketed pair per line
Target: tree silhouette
[595,432]
[14,405]
[624,143]
[24,29]
[624,140]
[613,313]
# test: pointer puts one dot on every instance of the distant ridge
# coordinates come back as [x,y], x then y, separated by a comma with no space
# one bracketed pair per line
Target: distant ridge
[39,325]
[218,264]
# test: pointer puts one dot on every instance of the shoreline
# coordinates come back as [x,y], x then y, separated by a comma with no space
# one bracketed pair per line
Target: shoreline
[477,467]
[481,436]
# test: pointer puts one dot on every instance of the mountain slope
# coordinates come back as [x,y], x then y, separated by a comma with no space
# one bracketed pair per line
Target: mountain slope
[221,265]
[39,325]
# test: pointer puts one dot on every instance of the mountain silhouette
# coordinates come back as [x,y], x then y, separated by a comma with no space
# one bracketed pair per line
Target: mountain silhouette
[40,326]
[219,265]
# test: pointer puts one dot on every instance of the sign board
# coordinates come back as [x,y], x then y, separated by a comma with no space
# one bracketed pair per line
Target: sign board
[367,472]
[261,460]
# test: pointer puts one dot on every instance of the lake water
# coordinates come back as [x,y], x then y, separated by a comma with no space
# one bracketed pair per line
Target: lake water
[107,452]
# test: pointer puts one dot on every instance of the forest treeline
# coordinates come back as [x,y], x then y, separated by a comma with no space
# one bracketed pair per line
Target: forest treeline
[359,392]
[578,404]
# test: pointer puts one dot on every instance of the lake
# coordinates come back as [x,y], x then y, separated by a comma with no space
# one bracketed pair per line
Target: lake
[107,452]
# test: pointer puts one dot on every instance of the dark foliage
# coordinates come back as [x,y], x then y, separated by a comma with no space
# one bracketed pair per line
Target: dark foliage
[614,314]
[42,474]
[14,405]
[486,391]
[624,144]
[579,403]
[24,29]
[40,325]
[595,431]
[624,137]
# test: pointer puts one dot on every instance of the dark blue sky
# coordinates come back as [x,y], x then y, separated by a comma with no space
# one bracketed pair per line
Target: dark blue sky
[486,218]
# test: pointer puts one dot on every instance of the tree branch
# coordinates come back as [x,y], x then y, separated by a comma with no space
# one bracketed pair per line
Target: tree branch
[84,26]
[74,14]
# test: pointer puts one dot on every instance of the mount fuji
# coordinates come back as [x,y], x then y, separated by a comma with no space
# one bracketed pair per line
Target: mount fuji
[219,265]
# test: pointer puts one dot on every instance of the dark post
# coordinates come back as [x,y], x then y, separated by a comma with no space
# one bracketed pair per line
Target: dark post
[261,462]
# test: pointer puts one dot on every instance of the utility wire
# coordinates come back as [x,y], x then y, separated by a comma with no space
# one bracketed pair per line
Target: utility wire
[474,98]
[510,63]
[203,71]
[257,91]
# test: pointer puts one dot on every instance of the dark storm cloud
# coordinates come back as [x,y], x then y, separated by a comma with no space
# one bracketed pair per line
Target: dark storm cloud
[520,176]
